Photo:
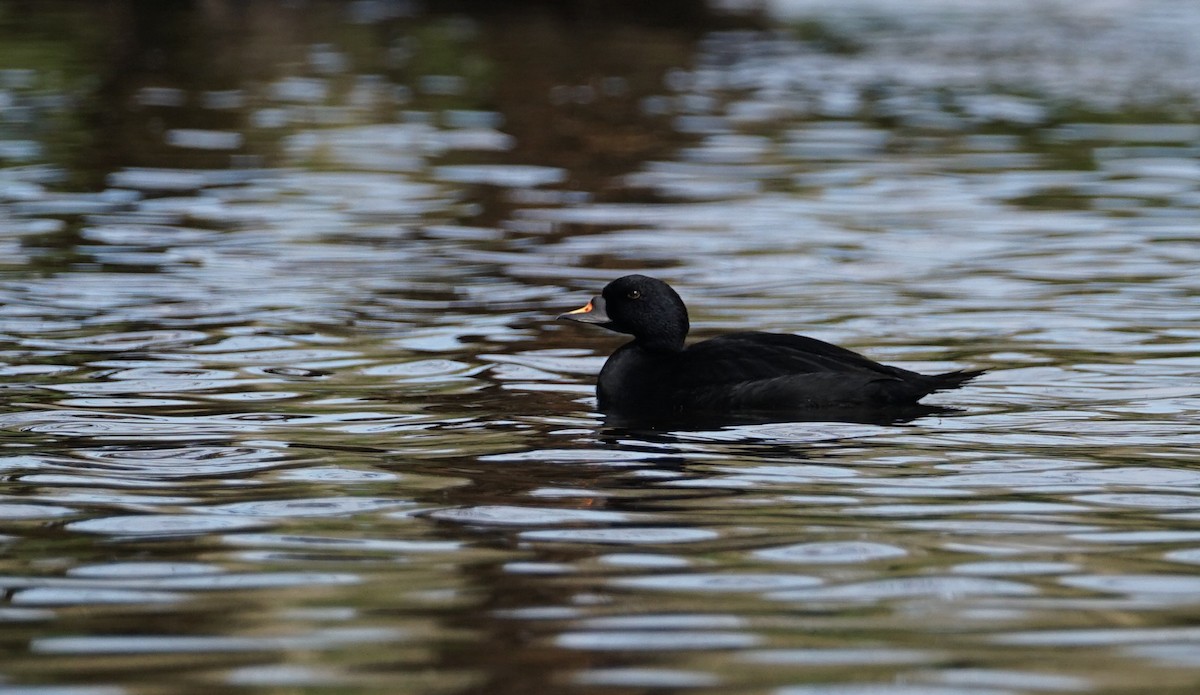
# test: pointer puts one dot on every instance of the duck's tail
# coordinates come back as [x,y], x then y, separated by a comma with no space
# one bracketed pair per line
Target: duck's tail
[953,380]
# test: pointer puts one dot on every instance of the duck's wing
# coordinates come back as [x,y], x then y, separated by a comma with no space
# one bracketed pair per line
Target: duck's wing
[748,357]
[773,370]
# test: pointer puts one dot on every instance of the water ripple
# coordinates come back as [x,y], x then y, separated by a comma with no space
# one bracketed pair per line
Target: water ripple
[170,644]
[163,525]
[831,552]
[622,536]
[120,342]
[679,640]
[718,583]
[526,516]
[317,507]
[944,588]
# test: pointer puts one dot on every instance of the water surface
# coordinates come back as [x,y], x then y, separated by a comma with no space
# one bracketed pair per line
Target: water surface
[286,409]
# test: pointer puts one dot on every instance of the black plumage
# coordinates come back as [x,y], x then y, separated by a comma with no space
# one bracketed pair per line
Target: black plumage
[753,372]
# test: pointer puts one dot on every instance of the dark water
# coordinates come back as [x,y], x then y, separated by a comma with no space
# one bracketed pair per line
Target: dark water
[285,409]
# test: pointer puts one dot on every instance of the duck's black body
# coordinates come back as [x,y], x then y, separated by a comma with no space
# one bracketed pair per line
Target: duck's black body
[656,375]
[758,372]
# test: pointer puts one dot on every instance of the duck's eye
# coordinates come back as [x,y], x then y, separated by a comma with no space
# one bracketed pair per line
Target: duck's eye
[634,294]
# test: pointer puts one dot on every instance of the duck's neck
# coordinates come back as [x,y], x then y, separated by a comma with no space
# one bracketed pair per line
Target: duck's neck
[660,343]
[666,333]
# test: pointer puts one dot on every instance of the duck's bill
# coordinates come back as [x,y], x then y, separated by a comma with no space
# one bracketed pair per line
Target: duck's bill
[592,312]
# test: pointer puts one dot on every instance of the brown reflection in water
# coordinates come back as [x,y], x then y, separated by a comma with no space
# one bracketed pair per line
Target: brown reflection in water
[567,78]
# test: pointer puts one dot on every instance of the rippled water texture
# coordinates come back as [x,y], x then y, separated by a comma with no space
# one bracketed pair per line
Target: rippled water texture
[286,410]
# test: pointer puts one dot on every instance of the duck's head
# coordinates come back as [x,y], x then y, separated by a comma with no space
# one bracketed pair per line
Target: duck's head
[646,308]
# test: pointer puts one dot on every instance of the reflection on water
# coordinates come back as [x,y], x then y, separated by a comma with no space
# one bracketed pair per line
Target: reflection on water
[287,409]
